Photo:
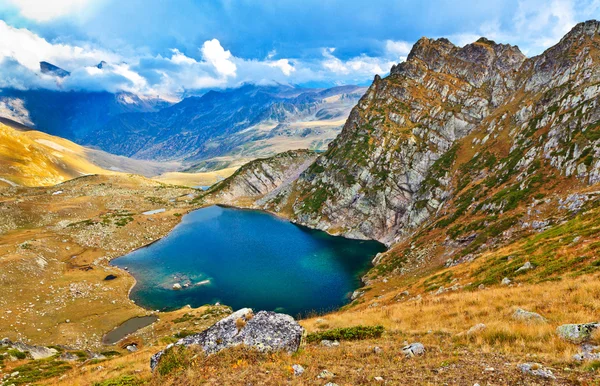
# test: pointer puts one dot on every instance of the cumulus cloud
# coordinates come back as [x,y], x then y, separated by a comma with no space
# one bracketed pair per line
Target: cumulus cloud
[215,54]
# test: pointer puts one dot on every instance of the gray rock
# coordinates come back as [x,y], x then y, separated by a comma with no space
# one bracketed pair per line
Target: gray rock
[413,350]
[69,357]
[577,333]
[476,329]
[528,316]
[588,353]
[36,352]
[377,350]
[132,348]
[378,379]
[526,267]
[265,331]
[331,384]
[537,370]
[298,370]
[506,281]
[330,343]
[5,342]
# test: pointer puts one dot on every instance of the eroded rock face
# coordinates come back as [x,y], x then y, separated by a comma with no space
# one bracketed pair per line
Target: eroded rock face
[265,331]
[391,168]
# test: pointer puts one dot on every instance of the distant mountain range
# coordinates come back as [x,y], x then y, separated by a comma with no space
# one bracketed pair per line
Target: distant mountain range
[217,129]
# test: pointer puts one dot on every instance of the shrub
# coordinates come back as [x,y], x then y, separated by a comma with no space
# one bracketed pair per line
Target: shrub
[349,333]
[174,359]
[17,354]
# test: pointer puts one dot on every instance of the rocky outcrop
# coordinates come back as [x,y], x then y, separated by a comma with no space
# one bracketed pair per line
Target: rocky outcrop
[36,352]
[264,331]
[506,118]
[261,178]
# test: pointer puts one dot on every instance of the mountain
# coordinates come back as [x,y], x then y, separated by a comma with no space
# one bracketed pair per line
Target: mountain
[33,158]
[51,69]
[73,115]
[461,150]
[250,121]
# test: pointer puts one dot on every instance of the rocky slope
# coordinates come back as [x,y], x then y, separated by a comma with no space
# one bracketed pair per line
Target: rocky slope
[479,129]
[263,178]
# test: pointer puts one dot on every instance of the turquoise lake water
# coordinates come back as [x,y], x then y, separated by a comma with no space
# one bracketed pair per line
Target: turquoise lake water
[244,258]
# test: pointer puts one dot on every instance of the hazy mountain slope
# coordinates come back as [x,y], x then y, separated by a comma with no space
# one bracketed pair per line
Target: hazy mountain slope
[33,158]
[248,122]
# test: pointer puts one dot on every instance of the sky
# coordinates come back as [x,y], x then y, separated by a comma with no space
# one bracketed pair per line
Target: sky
[171,48]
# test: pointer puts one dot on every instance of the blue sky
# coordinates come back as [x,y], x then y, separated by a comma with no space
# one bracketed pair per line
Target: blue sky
[168,48]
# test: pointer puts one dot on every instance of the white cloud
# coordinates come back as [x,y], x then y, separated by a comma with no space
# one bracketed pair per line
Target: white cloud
[213,52]
[398,49]
[45,10]
[284,65]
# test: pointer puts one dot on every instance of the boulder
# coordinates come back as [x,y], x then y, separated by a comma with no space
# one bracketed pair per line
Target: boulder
[265,331]
[413,350]
[528,316]
[36,352]
[506,281]
[577,333]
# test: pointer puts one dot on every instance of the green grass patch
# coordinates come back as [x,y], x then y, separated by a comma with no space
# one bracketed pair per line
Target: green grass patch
[349,333]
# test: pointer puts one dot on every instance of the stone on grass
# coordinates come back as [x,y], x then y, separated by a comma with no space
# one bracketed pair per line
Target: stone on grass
[331,384]
[506,281]
[377,350]
[330,343]
[528,316]
[413,349]
[588,352]
[298,370]
[577,333]
[476,328]
[177,286]
[265,331]
[537,370]
[378,379]
[526,267]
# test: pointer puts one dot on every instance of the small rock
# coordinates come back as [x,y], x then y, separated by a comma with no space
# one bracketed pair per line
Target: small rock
[489,369]
[132,348]
[326,374]
[14,374]
[69,357]
[527,266]
[537,370]
[298,370]
[476,328]
[329,343]
[331,384]
[176,286]
[377,350]
[481,286]
[577,333]
[506,281]
[413,349]
[528,316]
[378,379]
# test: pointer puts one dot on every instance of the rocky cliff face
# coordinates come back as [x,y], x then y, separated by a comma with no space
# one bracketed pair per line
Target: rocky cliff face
[261,179]
[478,129]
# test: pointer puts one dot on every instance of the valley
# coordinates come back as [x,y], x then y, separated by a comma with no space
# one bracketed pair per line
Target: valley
[476,166]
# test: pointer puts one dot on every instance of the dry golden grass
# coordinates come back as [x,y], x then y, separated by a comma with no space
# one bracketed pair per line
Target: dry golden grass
[195,179]
[32,158]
